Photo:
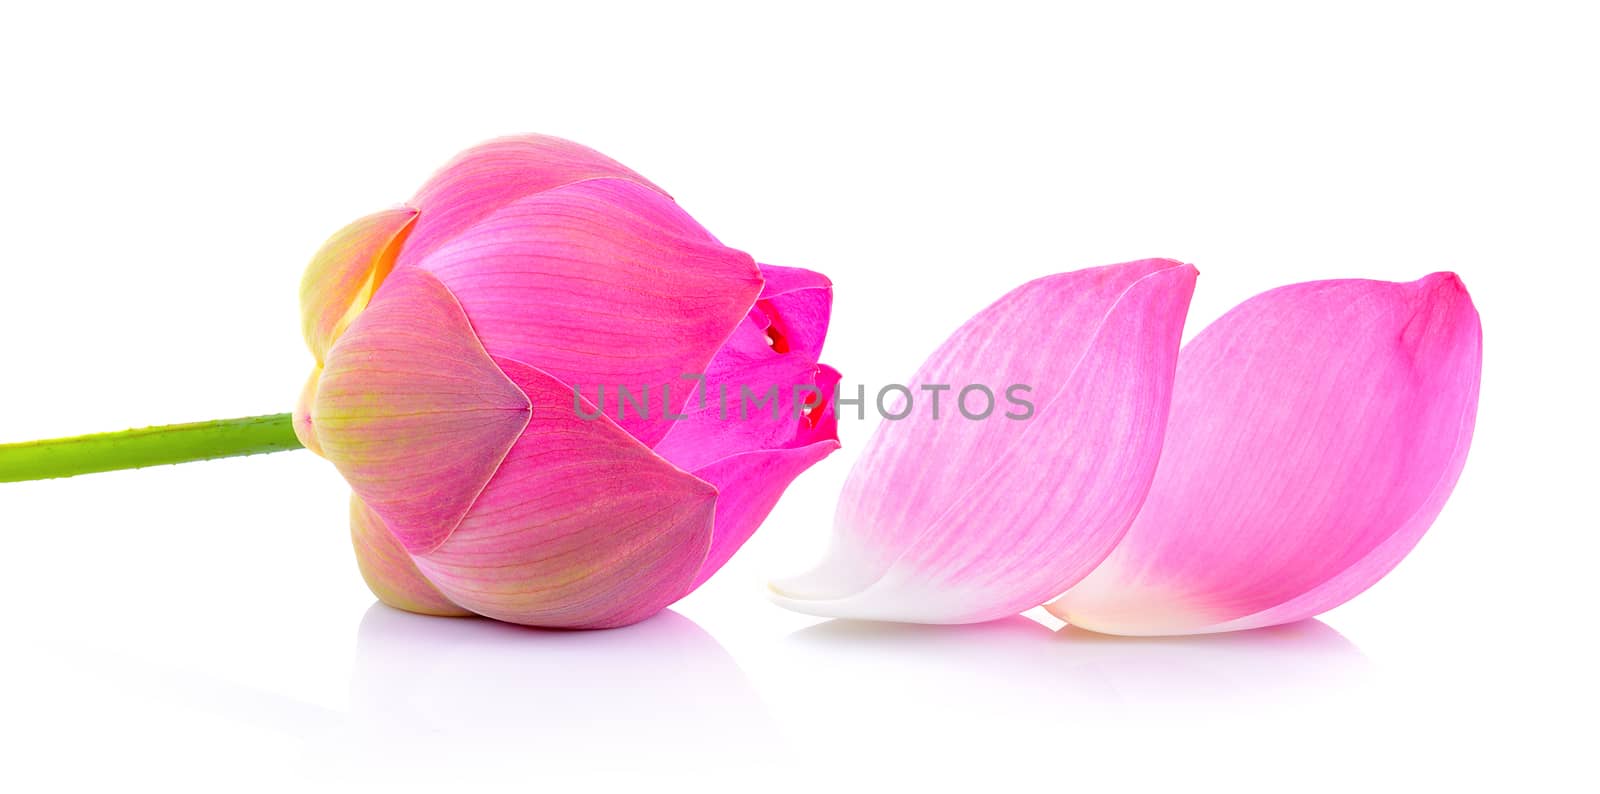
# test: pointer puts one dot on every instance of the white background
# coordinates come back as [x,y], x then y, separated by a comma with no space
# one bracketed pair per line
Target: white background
[166,172]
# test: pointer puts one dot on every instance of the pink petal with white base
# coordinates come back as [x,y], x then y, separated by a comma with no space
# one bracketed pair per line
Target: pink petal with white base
[953,520]
[1316,432]
[413,412]
[582,526]
[601,283]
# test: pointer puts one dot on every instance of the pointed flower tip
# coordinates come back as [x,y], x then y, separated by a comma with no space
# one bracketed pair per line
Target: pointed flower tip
[1169,261]
[784,280]
[1444,317]
[1123,277]
[1442,286]
[1183,270]
[1178,269]
[1159,263]
[1445,280]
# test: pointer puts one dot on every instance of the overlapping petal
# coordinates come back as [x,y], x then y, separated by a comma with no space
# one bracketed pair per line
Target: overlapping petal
[388,570]
[450,337]
[487,177]
[412,410]
[345,272]
[795,306]
[749,483]
[581,527]
[763,412]
[757,393]
[342,277]
[601,283]
[950,520]
[1316,432]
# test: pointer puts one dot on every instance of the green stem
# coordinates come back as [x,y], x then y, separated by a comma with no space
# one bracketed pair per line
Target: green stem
[146,446]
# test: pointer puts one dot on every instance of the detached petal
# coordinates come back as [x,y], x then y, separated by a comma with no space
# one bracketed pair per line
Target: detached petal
[1316,431]
[603,283]
[582,527]
[487,177]
[413,412]
[955,520]
[388,570]
[345,272]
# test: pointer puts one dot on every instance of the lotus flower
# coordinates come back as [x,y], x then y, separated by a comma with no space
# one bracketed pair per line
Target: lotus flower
[457,339]
[1305,442]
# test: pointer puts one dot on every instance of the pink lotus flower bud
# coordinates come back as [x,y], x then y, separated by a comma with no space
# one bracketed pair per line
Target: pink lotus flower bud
[458,340]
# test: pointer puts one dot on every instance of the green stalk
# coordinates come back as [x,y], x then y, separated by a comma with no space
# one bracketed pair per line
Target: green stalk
[146,446]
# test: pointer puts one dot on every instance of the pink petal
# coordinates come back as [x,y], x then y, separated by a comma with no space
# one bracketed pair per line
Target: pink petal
[756,389]
[953,520]
[413,412]
[1316,431]
[603,283]
[345,272]
[795,305]
[582,527]
[485,178]
[388,569]
[748,487]
[336,287]
[824,417]
[749,484]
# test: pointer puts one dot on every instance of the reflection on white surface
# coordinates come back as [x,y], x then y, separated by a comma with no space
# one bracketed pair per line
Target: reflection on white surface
[1025,664]
[442,697]
[440,701]
[1304,660]
[444,702]
[439,698]
[1082,705]
[476,688]
[453,705]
